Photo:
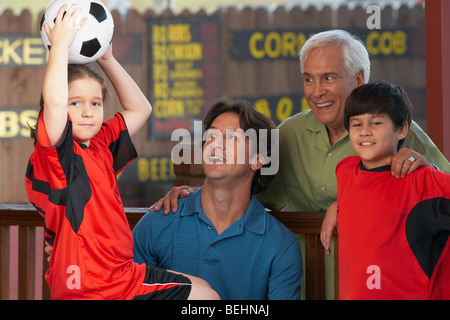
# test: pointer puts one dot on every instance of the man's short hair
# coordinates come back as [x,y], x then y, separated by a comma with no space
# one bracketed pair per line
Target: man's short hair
[354,52]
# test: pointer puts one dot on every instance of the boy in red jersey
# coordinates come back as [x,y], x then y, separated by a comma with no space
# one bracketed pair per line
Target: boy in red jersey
[70,179]
[393,233]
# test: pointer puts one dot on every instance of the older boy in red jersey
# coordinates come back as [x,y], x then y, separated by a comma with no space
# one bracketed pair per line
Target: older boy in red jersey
[393,233]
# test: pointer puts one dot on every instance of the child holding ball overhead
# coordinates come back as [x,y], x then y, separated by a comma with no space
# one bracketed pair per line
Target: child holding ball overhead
[70,179]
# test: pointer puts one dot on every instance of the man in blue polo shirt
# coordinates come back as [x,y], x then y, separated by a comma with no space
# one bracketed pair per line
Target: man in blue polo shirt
[222,233]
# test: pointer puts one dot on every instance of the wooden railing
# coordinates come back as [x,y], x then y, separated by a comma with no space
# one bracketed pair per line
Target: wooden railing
[27,220]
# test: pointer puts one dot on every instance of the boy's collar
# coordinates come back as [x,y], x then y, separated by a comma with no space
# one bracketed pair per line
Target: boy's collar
[377,169]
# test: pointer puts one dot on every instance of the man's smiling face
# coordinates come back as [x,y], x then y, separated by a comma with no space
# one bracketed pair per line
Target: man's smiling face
[327,85]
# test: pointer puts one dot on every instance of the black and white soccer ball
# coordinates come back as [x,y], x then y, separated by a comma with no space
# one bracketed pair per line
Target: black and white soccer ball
[93,39]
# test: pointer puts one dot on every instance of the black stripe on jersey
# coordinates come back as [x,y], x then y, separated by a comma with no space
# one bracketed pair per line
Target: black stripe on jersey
[78,193]
[55,196]
[427,230]
[49,236]
[73,198]
[79,188]
[122,150]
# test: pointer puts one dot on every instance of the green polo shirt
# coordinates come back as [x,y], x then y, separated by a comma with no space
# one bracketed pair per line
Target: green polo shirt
[306,179]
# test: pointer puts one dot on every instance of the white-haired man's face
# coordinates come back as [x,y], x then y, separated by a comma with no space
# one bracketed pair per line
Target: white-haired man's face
[327,85]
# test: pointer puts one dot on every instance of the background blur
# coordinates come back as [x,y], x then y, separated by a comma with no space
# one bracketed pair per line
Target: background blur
[238,49]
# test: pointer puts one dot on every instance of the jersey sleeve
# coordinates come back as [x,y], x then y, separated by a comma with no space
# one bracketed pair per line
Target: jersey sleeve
[115,134]
[47,168]
[428,224]
[50,172]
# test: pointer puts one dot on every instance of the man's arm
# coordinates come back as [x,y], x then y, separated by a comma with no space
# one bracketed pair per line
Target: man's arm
[419,141]
[287,275]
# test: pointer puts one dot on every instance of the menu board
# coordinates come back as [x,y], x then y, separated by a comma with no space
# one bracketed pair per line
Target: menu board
[184,75]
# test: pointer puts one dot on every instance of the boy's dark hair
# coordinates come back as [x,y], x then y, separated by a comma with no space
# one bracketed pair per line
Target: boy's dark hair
[249,118]
[380,97]
[75,72]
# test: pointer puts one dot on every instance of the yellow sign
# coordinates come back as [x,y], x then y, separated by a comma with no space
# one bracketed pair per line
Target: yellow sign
[155,169]
[148,170]
[279,107]
[286,44]
[20,50]
[15,122]
[275,45]
[387,42]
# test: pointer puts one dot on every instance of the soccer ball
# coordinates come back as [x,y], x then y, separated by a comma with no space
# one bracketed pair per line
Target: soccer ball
[93,39]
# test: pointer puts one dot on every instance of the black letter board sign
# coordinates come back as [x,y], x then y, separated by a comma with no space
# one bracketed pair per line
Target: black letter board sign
[184,71]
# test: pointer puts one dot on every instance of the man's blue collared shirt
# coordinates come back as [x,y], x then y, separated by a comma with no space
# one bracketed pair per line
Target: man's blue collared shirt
[255,258]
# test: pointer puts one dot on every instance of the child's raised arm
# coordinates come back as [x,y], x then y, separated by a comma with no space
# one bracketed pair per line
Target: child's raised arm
[136,106]
[55,86]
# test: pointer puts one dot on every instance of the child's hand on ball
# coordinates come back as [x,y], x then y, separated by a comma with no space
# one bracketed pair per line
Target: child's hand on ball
[108,55]
[65,28]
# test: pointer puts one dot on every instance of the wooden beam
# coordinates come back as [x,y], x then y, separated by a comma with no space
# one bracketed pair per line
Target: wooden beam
[437,36]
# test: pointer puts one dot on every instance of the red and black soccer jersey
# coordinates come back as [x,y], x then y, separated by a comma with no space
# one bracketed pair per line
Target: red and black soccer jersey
[393,233]
[74,188]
